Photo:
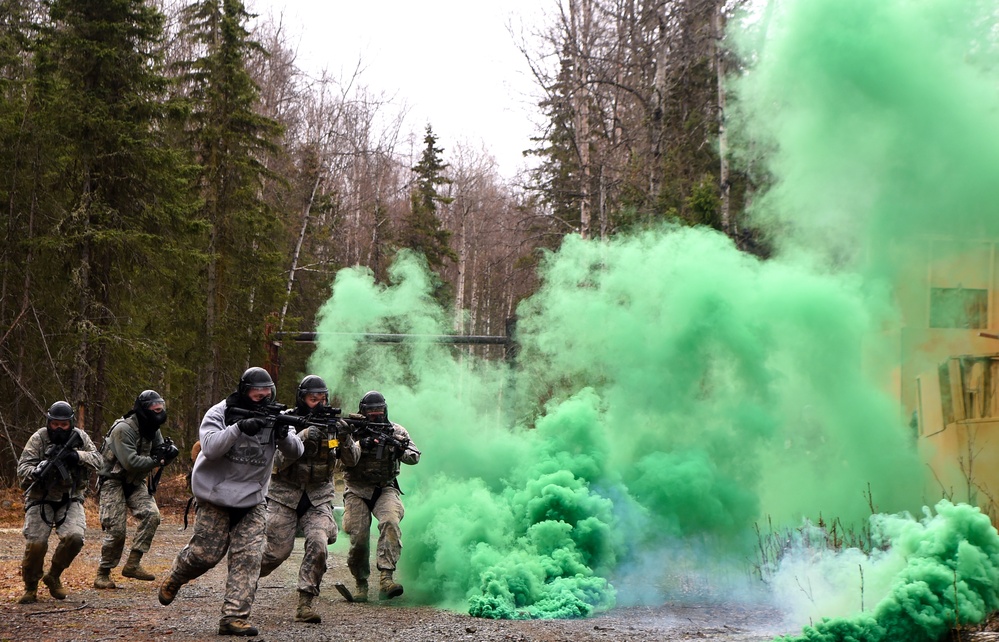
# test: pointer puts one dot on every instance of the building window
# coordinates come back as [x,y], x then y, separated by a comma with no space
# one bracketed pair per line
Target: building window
[959,308]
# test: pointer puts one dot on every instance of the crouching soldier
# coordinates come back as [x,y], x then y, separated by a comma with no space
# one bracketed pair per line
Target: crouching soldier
[54,469]
[133,448]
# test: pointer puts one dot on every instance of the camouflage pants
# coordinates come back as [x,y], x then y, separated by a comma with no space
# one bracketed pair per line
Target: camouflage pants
[115,508]
[320,531]
[388,510]
[37,534]
[214,535]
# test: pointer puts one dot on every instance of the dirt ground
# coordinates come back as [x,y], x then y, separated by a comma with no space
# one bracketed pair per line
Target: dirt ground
[132,611]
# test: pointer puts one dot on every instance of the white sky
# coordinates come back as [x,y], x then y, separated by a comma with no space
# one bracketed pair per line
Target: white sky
[452,63]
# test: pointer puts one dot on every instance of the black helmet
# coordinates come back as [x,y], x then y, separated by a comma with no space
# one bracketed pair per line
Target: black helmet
[312,384]
[256,378]
[148,418]
[372,402]
[59,411]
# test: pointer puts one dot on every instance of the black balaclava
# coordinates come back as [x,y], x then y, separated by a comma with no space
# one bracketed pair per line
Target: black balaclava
[149,421]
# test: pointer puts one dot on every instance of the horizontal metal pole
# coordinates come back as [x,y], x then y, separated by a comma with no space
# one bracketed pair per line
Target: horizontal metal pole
[367,337]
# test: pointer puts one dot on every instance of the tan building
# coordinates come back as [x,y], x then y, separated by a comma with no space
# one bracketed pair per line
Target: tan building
[949,367]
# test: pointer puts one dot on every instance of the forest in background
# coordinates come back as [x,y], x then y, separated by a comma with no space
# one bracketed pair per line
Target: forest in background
[176,188]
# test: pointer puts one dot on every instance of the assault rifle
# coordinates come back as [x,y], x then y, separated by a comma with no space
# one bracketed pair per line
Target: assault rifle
[274,411]
[379,436]
[54,462]
[370,433]
[322,416]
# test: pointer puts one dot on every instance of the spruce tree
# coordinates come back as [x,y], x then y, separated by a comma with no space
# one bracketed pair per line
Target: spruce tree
[422,229]
[230,138]
[556,178]
[112,198]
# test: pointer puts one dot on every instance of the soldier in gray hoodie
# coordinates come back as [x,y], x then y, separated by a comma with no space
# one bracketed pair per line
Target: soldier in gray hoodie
[230,480]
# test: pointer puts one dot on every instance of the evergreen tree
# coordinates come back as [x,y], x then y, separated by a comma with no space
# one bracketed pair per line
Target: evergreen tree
[111,196]
[242,280]
[422,229]
[557,176]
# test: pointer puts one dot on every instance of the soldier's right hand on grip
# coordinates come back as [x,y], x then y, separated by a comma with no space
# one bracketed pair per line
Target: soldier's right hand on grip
[252,425]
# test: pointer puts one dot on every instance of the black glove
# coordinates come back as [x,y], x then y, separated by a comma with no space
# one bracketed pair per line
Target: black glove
[51,451]
[36,473]
[401,450]
[71,456]
[311,442]
[165,452]
[281,431]
[252,425]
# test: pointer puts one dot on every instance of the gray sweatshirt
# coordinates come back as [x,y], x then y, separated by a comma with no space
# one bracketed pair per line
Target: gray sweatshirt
[233,470]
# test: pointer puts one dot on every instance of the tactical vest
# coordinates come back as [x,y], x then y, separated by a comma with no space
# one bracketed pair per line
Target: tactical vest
[316,469]
[370,469]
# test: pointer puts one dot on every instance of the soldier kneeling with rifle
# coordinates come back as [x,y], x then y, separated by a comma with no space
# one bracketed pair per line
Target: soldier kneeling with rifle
[54,469]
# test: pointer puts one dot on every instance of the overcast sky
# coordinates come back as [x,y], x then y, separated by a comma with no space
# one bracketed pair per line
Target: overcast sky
[453,63]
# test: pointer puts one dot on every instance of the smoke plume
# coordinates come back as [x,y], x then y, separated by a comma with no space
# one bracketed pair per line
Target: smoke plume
[672,393]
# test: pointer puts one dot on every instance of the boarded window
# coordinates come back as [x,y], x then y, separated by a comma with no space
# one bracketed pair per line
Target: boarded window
[959,308]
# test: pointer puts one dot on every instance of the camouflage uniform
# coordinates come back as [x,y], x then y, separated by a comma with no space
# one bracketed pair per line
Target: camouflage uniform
[229,480]
[57,506]
[301,496]
[127,464]
[373,490]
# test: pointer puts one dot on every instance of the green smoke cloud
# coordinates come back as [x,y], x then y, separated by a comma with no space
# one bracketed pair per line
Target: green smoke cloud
[686,403]
[876,122]
[670,388]
[939,572]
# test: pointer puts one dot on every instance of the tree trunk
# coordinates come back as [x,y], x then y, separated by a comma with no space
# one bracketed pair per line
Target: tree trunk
[580,23]
[78,387]
[210,382]
[718,28]
[306,212]
[462,265]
